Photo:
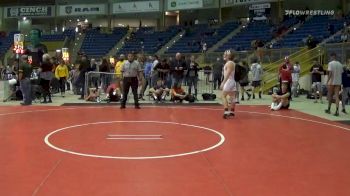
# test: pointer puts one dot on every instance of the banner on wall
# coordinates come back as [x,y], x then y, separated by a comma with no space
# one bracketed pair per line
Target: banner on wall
[29,11]
[260,11]
[136,6]
[260,6]
[246,2]
[184,4]
[82,9]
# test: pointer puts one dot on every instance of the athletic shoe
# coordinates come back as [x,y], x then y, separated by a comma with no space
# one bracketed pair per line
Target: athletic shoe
[344,111]
[137,107]
[336,114]
[327,111]
[122,107]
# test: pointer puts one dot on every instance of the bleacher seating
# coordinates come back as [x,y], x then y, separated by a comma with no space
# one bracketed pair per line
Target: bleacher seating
[6,42]
[192,41]
[256,30]
[148,40]
[97,44]
[58,37]
[317,27]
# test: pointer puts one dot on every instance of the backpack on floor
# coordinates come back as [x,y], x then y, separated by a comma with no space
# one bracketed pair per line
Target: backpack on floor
[190,98]
[208,97]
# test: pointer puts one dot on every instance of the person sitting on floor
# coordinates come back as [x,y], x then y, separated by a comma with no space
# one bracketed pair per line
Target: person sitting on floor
[159,91]
[113,92]
[281,99]
[94,95]
[178,94]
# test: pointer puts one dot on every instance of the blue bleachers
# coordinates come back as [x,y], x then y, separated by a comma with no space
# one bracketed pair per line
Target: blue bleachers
[317,26]
[97,44]
[58,37]
[194,37]
[148,40]
[242,40]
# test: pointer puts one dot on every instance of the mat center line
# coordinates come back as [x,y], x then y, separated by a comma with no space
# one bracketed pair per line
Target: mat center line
[134,137]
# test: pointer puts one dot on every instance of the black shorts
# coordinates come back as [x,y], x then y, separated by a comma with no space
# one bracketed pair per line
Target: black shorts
[285,107]
[256,83]
[244,84]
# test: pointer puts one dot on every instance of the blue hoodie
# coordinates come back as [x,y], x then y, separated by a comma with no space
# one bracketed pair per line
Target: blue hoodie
[148,69]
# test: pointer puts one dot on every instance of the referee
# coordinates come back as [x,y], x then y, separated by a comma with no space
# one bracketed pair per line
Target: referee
[132,75]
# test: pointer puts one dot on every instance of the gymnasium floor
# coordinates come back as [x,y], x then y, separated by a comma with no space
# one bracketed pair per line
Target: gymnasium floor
[172,150]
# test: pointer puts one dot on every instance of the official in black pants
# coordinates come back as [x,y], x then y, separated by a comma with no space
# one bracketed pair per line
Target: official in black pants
[132,75]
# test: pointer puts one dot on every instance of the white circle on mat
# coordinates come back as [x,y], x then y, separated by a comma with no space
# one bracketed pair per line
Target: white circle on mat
[221,141]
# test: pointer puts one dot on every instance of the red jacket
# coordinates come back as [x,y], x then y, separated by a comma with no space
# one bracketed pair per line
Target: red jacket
[285,72]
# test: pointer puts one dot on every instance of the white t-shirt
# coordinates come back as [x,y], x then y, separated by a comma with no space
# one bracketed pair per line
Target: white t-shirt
[337,69]
[295,73]
[257,72]
[155,62]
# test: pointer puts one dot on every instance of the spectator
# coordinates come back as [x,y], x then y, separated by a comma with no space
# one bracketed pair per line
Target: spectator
[105,77]
[316,78]
[285,72]
[335,70]
[159,91]
[118,73]
[62,74]
[25,72]
[162,70]
[257,73]
[46,76]
[94,77]
[295,79]
[147,73]
[204,47]
[84,65]
[113,92]
[94,95]
[178,94]
[346,86]
[344,36]
[245,82]
[281,99]
[310,42]
[141,61]
[217,73]
[178,68]
[74,77]
[192,76]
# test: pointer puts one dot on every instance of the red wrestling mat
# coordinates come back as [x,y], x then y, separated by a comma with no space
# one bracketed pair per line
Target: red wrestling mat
[170,151]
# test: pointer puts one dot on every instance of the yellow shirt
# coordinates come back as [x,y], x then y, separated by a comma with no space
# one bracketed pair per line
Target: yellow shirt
[118,68]
[61,71]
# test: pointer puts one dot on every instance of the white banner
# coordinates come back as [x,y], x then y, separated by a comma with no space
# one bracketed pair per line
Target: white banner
[246,2]
[82,9]
[136,6]
[184,4]
[260,6]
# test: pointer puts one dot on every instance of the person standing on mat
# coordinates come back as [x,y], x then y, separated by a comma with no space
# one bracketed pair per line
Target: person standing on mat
[228,85]
[346,86]
[335,71]
[132,75]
